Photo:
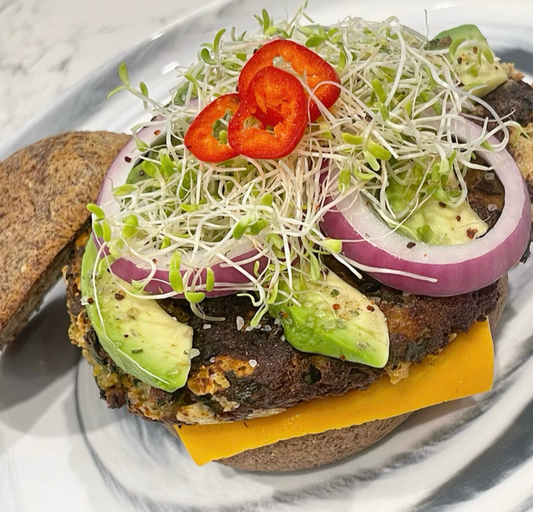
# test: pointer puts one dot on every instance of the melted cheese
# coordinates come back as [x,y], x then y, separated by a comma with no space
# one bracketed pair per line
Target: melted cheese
[464,368]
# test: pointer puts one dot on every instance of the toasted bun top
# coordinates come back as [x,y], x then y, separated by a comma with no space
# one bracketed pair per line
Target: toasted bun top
[45,188]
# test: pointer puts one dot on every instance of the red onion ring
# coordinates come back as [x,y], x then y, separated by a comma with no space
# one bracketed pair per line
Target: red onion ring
[228,279]
[120,168]
[443,270]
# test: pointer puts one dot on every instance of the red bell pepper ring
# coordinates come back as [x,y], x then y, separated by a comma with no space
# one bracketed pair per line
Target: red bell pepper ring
[200,139]
[305,62]
[275,90]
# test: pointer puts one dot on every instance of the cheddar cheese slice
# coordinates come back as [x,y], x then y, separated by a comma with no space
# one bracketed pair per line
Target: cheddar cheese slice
[463,368]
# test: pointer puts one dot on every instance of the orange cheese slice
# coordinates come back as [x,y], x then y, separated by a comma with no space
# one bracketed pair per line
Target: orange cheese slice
[464,368]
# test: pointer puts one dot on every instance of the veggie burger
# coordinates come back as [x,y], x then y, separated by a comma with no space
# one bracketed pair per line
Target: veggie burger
[318,218]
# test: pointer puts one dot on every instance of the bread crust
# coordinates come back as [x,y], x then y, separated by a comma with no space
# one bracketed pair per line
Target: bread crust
[45,188]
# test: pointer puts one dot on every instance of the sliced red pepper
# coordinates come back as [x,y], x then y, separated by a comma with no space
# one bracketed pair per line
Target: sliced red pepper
[275,90]
[200,139]
[305,62]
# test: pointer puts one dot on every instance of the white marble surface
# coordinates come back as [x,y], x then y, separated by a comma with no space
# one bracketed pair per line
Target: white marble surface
[47,47]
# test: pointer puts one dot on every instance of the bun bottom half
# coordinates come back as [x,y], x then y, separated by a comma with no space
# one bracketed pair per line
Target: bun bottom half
[312,450]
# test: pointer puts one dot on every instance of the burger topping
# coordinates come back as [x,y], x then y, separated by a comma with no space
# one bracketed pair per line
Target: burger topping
[440,270]
[435,224]
[137,333]
[278,96]
[472,59]
[321,79]
[201,139]
[337,320]
[245,224]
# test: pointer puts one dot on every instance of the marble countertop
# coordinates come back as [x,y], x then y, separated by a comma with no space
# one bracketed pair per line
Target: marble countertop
[46,48]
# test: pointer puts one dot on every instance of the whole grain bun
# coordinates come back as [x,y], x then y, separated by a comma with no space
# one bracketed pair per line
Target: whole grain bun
[315,450]
[312,450]
[44,190]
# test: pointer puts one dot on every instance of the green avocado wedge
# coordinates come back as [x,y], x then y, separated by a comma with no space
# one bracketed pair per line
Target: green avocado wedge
[473,59]
[140,337]
[336,320]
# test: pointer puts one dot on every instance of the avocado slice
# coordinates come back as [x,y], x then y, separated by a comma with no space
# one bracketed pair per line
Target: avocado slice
[140,337]
[439,224]
[473,59]
[336,320]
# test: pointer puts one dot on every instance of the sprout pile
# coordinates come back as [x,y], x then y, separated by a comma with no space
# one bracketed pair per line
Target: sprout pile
[390,137]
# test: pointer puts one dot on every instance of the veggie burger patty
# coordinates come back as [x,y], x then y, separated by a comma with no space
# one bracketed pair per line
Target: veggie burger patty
[243,373]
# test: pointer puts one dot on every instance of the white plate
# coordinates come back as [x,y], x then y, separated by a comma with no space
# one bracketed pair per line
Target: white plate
[61,449]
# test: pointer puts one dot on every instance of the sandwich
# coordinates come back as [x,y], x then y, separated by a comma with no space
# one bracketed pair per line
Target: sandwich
[305,244]
[305,230]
